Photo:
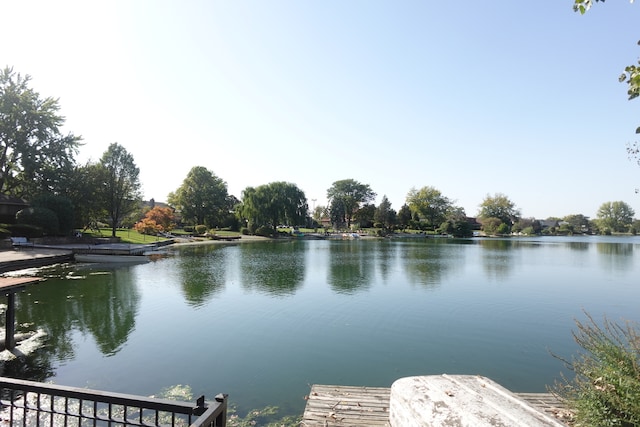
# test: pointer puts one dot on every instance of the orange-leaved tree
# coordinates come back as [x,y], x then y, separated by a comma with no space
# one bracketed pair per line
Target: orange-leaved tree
[156,220]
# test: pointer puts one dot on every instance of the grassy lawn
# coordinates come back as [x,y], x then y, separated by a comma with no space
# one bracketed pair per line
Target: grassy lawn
[132,236]
[127,236]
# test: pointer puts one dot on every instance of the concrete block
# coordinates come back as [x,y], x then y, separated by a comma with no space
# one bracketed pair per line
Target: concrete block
[460,401]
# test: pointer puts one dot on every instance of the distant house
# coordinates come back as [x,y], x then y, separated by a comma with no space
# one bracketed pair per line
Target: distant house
[9,207]
[475,224]
[548,223]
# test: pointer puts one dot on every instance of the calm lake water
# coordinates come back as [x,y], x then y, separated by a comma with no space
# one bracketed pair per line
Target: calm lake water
[262,321]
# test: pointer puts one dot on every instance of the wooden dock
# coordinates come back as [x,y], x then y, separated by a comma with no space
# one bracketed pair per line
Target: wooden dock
[347,406]
[330,405]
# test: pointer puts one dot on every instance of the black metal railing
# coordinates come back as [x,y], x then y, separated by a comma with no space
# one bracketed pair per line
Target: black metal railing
[28,403]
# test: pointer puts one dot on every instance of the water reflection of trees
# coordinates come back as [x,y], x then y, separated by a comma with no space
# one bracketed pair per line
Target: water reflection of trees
[103,303]
[202,270]
[497,257]
[578,246]
[385,254]
[350,265]
[615,256]
[427,263]
[276,268]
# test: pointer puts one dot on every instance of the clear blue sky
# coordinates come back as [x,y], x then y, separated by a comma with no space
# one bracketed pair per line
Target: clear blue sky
[472,98]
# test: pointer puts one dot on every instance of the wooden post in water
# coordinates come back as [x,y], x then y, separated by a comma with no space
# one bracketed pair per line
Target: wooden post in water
[11,285]
[10,325]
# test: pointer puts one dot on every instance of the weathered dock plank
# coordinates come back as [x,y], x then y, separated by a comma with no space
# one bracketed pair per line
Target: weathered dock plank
[344,406]
[333,406]
[549,404]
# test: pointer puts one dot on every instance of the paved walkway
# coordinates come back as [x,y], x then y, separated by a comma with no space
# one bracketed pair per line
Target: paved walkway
[29,257]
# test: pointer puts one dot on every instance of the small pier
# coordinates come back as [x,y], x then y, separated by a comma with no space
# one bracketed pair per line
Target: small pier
[330,405]
[349,406]
[9,286]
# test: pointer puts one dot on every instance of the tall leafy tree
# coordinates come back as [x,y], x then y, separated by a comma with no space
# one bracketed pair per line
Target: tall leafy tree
[615,216]
[384,214]
[273,204]
[404,216]
[365,215]
[84,189]
[499,206]
[346,196]
[202,197]
[429,204]
[34,154]
[578,222]
[121,184]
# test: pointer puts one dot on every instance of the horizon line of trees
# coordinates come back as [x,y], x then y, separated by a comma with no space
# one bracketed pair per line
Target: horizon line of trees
[37,163]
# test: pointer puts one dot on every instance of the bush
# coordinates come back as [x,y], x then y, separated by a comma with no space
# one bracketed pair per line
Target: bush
[24,230]
[44,218]
[264,231]
[244,231]
[606,387]
[201,229]
[4,233]
[61,206]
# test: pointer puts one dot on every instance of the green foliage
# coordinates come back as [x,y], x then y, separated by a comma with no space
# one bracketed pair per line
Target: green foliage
[404,217]
[201,229]
[615,216]
[365,216]
[429,205]
[266,417]
[61,206]
[456,228]
[490,225]
[43,218]
[606,387]
[264,231]
[202,198]
[244,231]
[345,197]
[120,189]
[499,206]
[384,215]
[4,233]
[36,156]
[25,230]
[273,204]
[503,229]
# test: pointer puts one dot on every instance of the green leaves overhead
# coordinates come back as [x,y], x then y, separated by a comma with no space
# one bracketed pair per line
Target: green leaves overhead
[34,154]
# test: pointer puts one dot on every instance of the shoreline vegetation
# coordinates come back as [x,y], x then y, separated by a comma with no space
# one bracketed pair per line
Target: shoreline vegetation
[180,237]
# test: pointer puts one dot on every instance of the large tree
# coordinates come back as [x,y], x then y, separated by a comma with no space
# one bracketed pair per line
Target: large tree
[85,192]
[274,204]
[615,216]
[121,184]
[202,198]
[34,154]
[384,215]
[404,216]
[499,206]
[346,196]
[429,204]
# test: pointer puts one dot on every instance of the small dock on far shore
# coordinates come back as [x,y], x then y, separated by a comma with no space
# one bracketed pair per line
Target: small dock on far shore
[343,406]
